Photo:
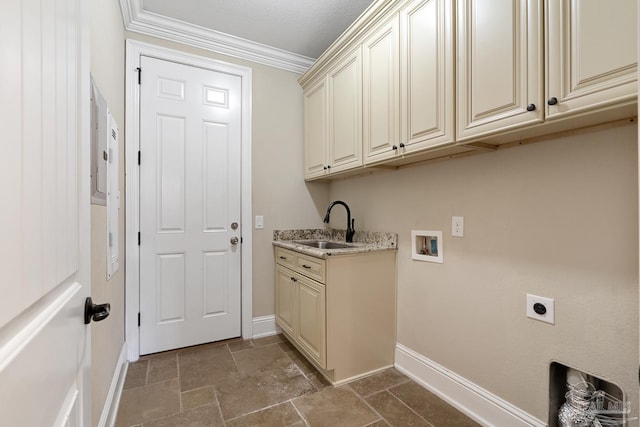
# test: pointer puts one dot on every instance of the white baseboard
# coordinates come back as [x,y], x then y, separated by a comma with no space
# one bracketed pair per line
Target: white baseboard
[110,408]
[478,403]
[265,326]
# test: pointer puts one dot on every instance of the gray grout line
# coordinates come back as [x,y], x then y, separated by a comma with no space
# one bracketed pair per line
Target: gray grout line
[179,382]
[304,419]
[409,408]
[366,403]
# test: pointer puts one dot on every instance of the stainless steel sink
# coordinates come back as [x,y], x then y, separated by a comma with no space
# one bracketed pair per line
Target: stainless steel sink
[322,244]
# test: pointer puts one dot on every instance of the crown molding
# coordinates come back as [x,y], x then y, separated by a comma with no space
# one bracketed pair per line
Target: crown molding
[140,21]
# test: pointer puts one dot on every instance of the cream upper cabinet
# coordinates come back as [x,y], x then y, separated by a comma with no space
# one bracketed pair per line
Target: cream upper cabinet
[381,96]
[500,54]
[426,74]
[344,88]
[591,54]
[315,130]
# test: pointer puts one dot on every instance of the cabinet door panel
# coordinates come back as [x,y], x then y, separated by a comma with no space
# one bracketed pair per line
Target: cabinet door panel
[426,73]
[592,54]
[285,300]
[381,92]
[315,130]
[499,65]
[345,112]
[311,328]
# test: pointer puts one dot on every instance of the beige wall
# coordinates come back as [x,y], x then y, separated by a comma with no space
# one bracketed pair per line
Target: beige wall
[557,219]
[107,337]
[279,191]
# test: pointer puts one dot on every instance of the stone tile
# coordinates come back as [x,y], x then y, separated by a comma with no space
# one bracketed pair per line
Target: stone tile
[162,367]
[335,407]
[267,357]
[378,382]
[318,380]
[204,416]
[287,346]
[136,374]
[241,396]
[280,415]
[395,411]
[239,345]
[430,407]
[379,423]
[302,362]
[143,404]
[268,340]
[198,397]
[205,365]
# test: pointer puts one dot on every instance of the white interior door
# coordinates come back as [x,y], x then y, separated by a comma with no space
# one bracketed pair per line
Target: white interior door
[44,218]
[190,143]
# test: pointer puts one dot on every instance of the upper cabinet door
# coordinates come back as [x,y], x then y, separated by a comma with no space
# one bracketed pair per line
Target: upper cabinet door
[499,65]
[345,112]
[591,54]
[426,74]
[381,92]
[315,130]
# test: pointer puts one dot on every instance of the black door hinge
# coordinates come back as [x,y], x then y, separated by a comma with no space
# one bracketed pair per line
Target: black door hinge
[138,238]
[138,319]
[139,156]
[139,70]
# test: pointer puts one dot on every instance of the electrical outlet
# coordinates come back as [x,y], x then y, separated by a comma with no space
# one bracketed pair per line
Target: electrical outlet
[457,226]
[541,308]
[259,221]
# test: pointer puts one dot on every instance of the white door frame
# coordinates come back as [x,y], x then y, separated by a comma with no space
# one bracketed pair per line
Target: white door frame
[134,50]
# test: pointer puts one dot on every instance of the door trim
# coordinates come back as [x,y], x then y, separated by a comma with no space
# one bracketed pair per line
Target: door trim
[134,50]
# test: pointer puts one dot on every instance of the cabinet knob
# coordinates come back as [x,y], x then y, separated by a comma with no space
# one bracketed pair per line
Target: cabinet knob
[329,167]
[325,168]
[531,107]
[402,145]
[394,148]
[552,101]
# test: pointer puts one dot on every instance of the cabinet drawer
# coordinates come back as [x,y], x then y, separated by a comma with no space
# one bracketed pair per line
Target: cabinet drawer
[286,258]
[303,264]
[311,267]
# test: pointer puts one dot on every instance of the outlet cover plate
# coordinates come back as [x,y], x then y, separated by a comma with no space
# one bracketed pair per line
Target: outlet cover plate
[548,303]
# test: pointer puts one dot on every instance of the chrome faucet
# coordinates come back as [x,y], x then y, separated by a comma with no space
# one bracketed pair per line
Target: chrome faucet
[350,222]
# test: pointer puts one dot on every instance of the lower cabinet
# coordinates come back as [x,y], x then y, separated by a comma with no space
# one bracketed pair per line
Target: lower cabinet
[341,314]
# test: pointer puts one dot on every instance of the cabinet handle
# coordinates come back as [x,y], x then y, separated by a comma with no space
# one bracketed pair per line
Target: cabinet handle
[394,148]
[325,168]
[329,167]
[293,279]
[402,145]
[306,266]
[552,101]
[283,257]
[531,107]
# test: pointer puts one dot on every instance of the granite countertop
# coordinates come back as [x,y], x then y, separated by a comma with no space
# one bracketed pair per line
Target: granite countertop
[363,241]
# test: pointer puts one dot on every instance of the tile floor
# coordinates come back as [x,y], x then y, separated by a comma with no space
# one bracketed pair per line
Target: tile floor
[267,382]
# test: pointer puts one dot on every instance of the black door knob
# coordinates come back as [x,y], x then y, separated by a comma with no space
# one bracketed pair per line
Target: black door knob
[95,312]
[552,101]
[531,107]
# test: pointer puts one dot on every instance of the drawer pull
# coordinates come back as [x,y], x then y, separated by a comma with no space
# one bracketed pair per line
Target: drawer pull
[306,266]
[283,257]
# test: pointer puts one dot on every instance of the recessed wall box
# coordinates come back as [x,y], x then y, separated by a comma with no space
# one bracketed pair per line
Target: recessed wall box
[426,245]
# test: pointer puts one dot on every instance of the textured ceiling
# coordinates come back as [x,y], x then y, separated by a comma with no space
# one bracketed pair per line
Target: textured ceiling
[304,27]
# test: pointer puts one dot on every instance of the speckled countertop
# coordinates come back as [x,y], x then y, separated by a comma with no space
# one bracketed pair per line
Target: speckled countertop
[363,241]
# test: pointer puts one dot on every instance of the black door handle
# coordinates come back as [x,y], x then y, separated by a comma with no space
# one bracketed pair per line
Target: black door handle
[95,312]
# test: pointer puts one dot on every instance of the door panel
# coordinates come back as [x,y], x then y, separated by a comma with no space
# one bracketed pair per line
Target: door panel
[311,326]
[499,65]
[189,196]
[591,54]
[44,182]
